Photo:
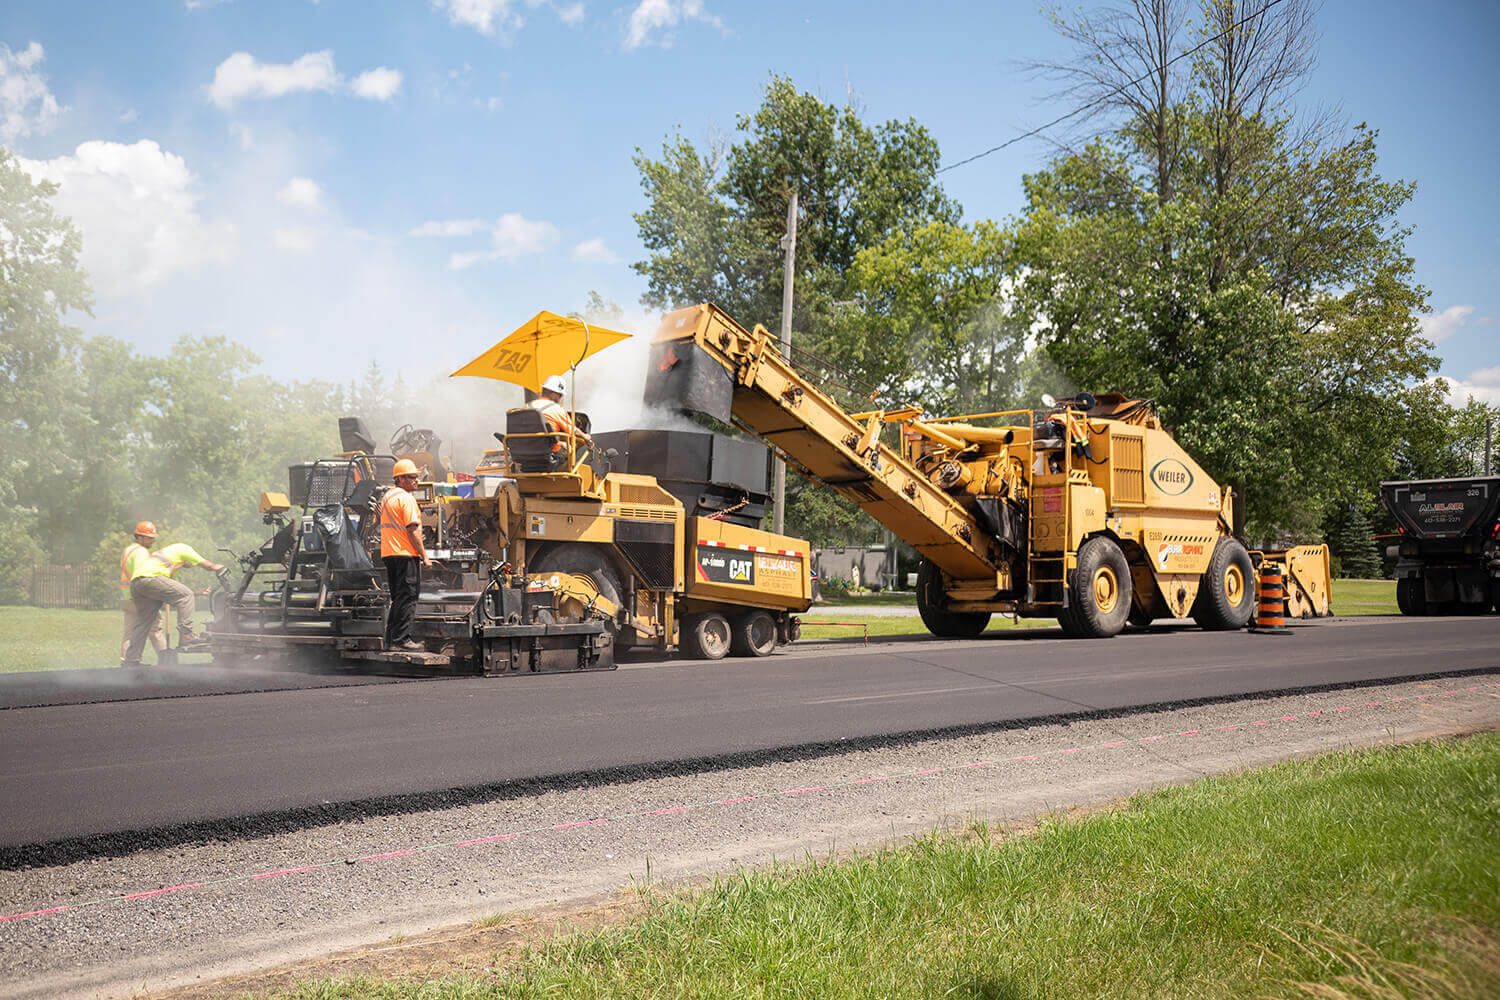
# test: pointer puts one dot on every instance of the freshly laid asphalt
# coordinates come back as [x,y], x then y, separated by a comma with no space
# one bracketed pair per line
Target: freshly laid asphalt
[108,752]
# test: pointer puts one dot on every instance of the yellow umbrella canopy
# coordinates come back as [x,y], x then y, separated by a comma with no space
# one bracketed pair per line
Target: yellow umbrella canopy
[546,344]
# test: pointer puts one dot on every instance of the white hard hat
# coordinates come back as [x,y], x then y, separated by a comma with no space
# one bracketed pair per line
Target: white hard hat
[554,383]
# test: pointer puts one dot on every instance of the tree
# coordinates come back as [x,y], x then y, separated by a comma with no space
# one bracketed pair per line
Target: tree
[1260,291]
[715,220]
[40,282]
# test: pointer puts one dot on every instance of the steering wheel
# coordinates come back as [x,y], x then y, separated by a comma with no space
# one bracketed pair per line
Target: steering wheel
[408,438]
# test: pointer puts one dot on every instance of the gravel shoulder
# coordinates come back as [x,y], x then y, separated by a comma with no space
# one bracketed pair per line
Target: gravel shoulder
[403,893]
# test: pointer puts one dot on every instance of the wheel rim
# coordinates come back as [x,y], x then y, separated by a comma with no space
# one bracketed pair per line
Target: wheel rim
[762,632]
[1234,586]
[715,635]
[1106,589]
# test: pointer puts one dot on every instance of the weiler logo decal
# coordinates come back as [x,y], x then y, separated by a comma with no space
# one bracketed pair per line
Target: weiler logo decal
[1171,477]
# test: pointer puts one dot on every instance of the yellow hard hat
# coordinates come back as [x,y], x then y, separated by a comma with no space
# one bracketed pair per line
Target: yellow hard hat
[405,467]
[146,529]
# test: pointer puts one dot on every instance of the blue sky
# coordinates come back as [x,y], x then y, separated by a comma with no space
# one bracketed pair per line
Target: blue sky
[338,181]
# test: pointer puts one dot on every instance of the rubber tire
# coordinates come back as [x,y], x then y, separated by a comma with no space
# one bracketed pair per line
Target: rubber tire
[706,636]
[744,630]
[1083,617]
[1138,618]
[581,559]
[1411,596]
[930,601]
[1213,608]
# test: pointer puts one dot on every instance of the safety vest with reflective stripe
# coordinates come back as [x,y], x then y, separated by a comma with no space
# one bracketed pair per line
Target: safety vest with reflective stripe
[167,560]
[130,560]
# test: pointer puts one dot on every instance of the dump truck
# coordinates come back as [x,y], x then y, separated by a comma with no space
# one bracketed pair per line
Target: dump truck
[1087,510]
[1448,556]
[552,557]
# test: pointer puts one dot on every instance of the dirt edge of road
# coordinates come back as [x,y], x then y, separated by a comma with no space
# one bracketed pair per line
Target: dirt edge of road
[500,942]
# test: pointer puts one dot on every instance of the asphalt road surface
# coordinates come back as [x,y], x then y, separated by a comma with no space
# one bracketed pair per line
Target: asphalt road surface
[94,755]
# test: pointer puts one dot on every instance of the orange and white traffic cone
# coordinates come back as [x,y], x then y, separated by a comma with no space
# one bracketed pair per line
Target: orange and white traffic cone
[1270,617]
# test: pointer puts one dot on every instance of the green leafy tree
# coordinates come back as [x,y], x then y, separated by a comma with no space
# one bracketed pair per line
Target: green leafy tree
[1249,276]
[715,220]
[41,281]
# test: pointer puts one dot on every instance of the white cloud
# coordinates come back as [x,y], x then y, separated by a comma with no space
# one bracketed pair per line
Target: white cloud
[242,76]
[298,239]
[203,4]
[660,17]
[515,236]
[485,16]
[136,206]
[27,107]
[1483,385]
[502,17]
[301,192]
[451,228]
[1438,327]
[511,237]
[380,84]
[594,252]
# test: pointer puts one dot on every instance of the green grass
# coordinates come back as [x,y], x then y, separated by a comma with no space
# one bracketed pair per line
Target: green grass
[1321,872]
[61,639]
[893,624]
[54,639]
[1365,597]
[1350,597]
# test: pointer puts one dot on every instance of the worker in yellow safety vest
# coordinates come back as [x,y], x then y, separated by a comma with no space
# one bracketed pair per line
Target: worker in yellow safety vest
[135,553]
[152,588]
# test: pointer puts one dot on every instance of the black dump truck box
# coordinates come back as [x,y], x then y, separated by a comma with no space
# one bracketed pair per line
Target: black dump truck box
[1444,508]
[1448,559]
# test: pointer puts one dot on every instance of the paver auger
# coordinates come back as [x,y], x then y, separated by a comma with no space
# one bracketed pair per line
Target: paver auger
[1087,512]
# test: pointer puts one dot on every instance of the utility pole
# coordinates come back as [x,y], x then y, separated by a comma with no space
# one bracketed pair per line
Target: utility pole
[789,244]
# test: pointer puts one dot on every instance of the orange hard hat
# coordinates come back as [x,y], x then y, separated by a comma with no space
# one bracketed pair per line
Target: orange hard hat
[405,467]
[146,528]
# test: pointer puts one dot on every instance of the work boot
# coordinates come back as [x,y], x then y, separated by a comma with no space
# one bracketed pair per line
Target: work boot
[410,646]
[126,664]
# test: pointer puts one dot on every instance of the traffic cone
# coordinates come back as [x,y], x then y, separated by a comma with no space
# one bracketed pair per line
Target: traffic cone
[1270,617]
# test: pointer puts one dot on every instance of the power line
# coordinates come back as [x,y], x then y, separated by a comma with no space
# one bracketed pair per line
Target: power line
[1100,100]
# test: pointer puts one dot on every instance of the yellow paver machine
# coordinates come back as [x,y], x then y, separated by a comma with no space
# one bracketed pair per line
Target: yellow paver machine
[1087,511]
[558,553]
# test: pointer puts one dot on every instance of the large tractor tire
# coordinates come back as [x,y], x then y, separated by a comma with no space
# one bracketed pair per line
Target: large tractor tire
[1101,590]
[706,636]
[1226,594]
[931,605]
[1411,596]
[753,633]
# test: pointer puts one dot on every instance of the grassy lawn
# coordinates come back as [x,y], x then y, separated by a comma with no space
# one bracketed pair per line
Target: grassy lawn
[61,639]
[55,639]
[893,624]
[1316,878]
[1350,597]
[1365,597]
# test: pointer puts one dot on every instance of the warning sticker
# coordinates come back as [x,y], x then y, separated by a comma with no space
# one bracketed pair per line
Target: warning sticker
[538,525]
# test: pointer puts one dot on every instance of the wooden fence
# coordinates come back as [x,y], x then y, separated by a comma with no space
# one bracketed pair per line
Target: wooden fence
[61,587]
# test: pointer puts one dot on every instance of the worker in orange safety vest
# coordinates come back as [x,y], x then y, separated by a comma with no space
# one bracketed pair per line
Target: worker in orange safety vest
[559,420]
[404,554]
[135,553]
